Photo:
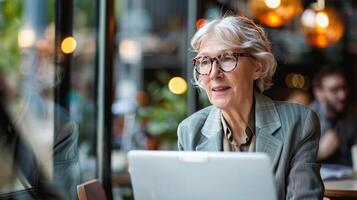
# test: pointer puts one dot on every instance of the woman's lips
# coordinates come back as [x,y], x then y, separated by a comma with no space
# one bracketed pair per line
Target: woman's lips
[220,88]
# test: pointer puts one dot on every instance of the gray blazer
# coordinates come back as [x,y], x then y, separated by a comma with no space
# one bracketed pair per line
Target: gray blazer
[288,133]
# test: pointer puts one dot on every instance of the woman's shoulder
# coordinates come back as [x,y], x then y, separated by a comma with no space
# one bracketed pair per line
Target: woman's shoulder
[289,110]
[300,117]
[198,116]
[294,107]
[192,125]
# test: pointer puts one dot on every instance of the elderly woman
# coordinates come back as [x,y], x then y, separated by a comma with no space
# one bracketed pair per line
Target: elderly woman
[234,66]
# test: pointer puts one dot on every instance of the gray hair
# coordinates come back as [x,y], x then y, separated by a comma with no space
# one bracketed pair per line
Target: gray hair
[240,32]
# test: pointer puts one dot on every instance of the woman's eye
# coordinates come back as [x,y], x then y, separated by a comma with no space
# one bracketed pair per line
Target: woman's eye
[205,62]
[227,59]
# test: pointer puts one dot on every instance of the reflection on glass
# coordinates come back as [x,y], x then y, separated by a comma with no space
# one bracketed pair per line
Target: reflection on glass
[38,159]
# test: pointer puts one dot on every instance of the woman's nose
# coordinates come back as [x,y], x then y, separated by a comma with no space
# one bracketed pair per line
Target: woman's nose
[216,71]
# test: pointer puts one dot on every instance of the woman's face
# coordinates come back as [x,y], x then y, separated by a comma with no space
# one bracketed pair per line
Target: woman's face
[227,90]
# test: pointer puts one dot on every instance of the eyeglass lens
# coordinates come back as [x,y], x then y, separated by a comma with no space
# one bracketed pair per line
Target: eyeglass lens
[225,62]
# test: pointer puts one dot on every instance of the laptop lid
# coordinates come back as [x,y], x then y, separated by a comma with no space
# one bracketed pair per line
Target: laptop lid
[174,175]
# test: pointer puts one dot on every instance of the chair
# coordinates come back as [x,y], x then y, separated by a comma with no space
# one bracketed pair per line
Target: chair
[91,190]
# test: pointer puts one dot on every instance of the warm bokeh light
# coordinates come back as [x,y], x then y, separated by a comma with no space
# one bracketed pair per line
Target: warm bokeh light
[321,40]
[26,38]
[322,19]
[275,13]
[288,80]
[323,27]
[130,51]
[68,45]
[293,80]
[308,18]
[298,81]
[177,85]
[272,3]
[200,22]
[273,19]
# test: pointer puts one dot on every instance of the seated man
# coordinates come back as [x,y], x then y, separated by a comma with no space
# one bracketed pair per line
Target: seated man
[338,124]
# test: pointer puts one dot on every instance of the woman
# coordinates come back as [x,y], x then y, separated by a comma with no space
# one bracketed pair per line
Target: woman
[234,66]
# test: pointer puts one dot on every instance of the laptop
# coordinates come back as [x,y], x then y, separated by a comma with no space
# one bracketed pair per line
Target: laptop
[176,175]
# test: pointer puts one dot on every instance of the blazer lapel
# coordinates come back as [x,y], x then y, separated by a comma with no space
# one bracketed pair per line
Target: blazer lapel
[211,132]
[267,122]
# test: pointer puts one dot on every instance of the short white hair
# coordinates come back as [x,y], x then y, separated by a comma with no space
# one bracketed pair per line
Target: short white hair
[239,32]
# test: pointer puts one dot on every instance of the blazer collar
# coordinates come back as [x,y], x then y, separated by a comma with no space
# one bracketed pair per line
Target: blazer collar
[267,121]
[211,132]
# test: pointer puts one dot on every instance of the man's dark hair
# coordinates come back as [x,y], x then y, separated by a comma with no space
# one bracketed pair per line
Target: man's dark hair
[325,72]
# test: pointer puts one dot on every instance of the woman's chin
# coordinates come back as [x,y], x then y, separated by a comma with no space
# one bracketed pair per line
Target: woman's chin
[220,104]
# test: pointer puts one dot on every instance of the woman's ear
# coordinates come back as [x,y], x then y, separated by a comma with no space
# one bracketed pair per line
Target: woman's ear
[258,70]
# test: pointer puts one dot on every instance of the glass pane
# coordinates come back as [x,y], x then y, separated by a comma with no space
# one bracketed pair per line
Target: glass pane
[40,160]
[152,50]
[82,91]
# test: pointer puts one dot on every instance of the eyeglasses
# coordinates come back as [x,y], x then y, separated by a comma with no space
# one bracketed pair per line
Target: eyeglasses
[227,62]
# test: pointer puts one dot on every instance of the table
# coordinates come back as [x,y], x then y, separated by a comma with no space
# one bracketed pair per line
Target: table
[342,189]
[345,189]
[121,179]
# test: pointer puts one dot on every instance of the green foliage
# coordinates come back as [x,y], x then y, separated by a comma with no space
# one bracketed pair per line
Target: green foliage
[166,111]
[10,14]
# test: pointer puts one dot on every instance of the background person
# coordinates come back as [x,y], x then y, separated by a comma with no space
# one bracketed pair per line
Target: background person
[338,124]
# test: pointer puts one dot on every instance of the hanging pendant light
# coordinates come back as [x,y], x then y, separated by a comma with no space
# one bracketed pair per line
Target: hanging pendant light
[274,13]
[321,26]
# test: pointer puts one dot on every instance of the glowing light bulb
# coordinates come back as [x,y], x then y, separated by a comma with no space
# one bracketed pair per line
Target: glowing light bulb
[322,20]
[275,13]
[322,28]
[272,3]
[308,18]
[68,45]
[177,85]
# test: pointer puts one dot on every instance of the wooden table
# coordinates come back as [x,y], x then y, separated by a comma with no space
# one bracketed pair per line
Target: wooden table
[345,189]
[121,179]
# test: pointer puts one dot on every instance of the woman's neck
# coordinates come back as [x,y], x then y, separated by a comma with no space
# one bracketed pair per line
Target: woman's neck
[237,117]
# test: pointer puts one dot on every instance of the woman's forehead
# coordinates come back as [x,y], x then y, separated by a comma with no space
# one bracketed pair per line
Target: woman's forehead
[213,45]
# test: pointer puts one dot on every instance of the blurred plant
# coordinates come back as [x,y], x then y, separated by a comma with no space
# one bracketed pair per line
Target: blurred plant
[10,23]
[165,111]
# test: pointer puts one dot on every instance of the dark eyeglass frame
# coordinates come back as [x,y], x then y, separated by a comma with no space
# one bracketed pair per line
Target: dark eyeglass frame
[235,54]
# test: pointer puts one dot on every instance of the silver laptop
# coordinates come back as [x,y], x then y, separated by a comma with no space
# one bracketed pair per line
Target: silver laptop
[173,175]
